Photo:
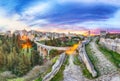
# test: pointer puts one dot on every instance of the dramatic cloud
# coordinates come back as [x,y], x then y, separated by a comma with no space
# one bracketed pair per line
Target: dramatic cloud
[60,15]
[74,13]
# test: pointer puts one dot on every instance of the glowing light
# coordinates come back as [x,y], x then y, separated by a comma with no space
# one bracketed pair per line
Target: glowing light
[24,37]
[27,43]
[72,49]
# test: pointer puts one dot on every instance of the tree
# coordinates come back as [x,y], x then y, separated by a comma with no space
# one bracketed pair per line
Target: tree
[36,59]
[1,60]
[22,69]
[53,53]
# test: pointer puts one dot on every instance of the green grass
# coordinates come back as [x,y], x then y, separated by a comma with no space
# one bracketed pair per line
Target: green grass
[53,62]
[76,60]
[2,69]
[92,58]
[58,42]
[85,71]
[39,79]
[114,57]
[2,78]
[43,74]
[42,42]
[59,75]
[48,70]
[55,59]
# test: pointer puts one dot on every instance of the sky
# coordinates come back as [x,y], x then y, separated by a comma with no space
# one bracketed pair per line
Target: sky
[75,16]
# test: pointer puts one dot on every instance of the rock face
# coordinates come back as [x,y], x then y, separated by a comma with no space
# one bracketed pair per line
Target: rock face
[84,57]
[36,71]
[112,44]
[72,72]
[55,68]
[7,74]
[117,78]
[107,70]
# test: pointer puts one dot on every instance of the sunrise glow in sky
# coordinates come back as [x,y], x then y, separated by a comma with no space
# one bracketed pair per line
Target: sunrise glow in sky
[77,16]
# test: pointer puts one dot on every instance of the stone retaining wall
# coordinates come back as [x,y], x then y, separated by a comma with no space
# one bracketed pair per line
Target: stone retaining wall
[55,68]
[85,58]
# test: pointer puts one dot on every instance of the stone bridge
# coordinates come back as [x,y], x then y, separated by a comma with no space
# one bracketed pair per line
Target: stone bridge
[44,50]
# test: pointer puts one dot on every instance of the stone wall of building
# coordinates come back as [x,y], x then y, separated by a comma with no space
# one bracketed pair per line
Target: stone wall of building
[112,44]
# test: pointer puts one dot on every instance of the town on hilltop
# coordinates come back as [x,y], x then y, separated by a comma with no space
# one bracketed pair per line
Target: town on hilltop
[59,40]
[50,56]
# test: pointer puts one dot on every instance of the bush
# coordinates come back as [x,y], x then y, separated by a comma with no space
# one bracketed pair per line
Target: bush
[53,53]
[22,69]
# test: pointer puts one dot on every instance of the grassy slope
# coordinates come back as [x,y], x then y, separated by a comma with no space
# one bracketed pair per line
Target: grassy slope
[59,75]
[114,57]
[39,79]
[48,70]
[92,58]
[85,72]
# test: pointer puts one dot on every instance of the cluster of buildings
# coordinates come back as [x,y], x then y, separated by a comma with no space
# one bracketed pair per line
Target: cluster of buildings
[110,40]
[37,35]
[106,34]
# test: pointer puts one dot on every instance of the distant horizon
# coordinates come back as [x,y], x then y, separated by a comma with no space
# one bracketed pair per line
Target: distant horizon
[92,33]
